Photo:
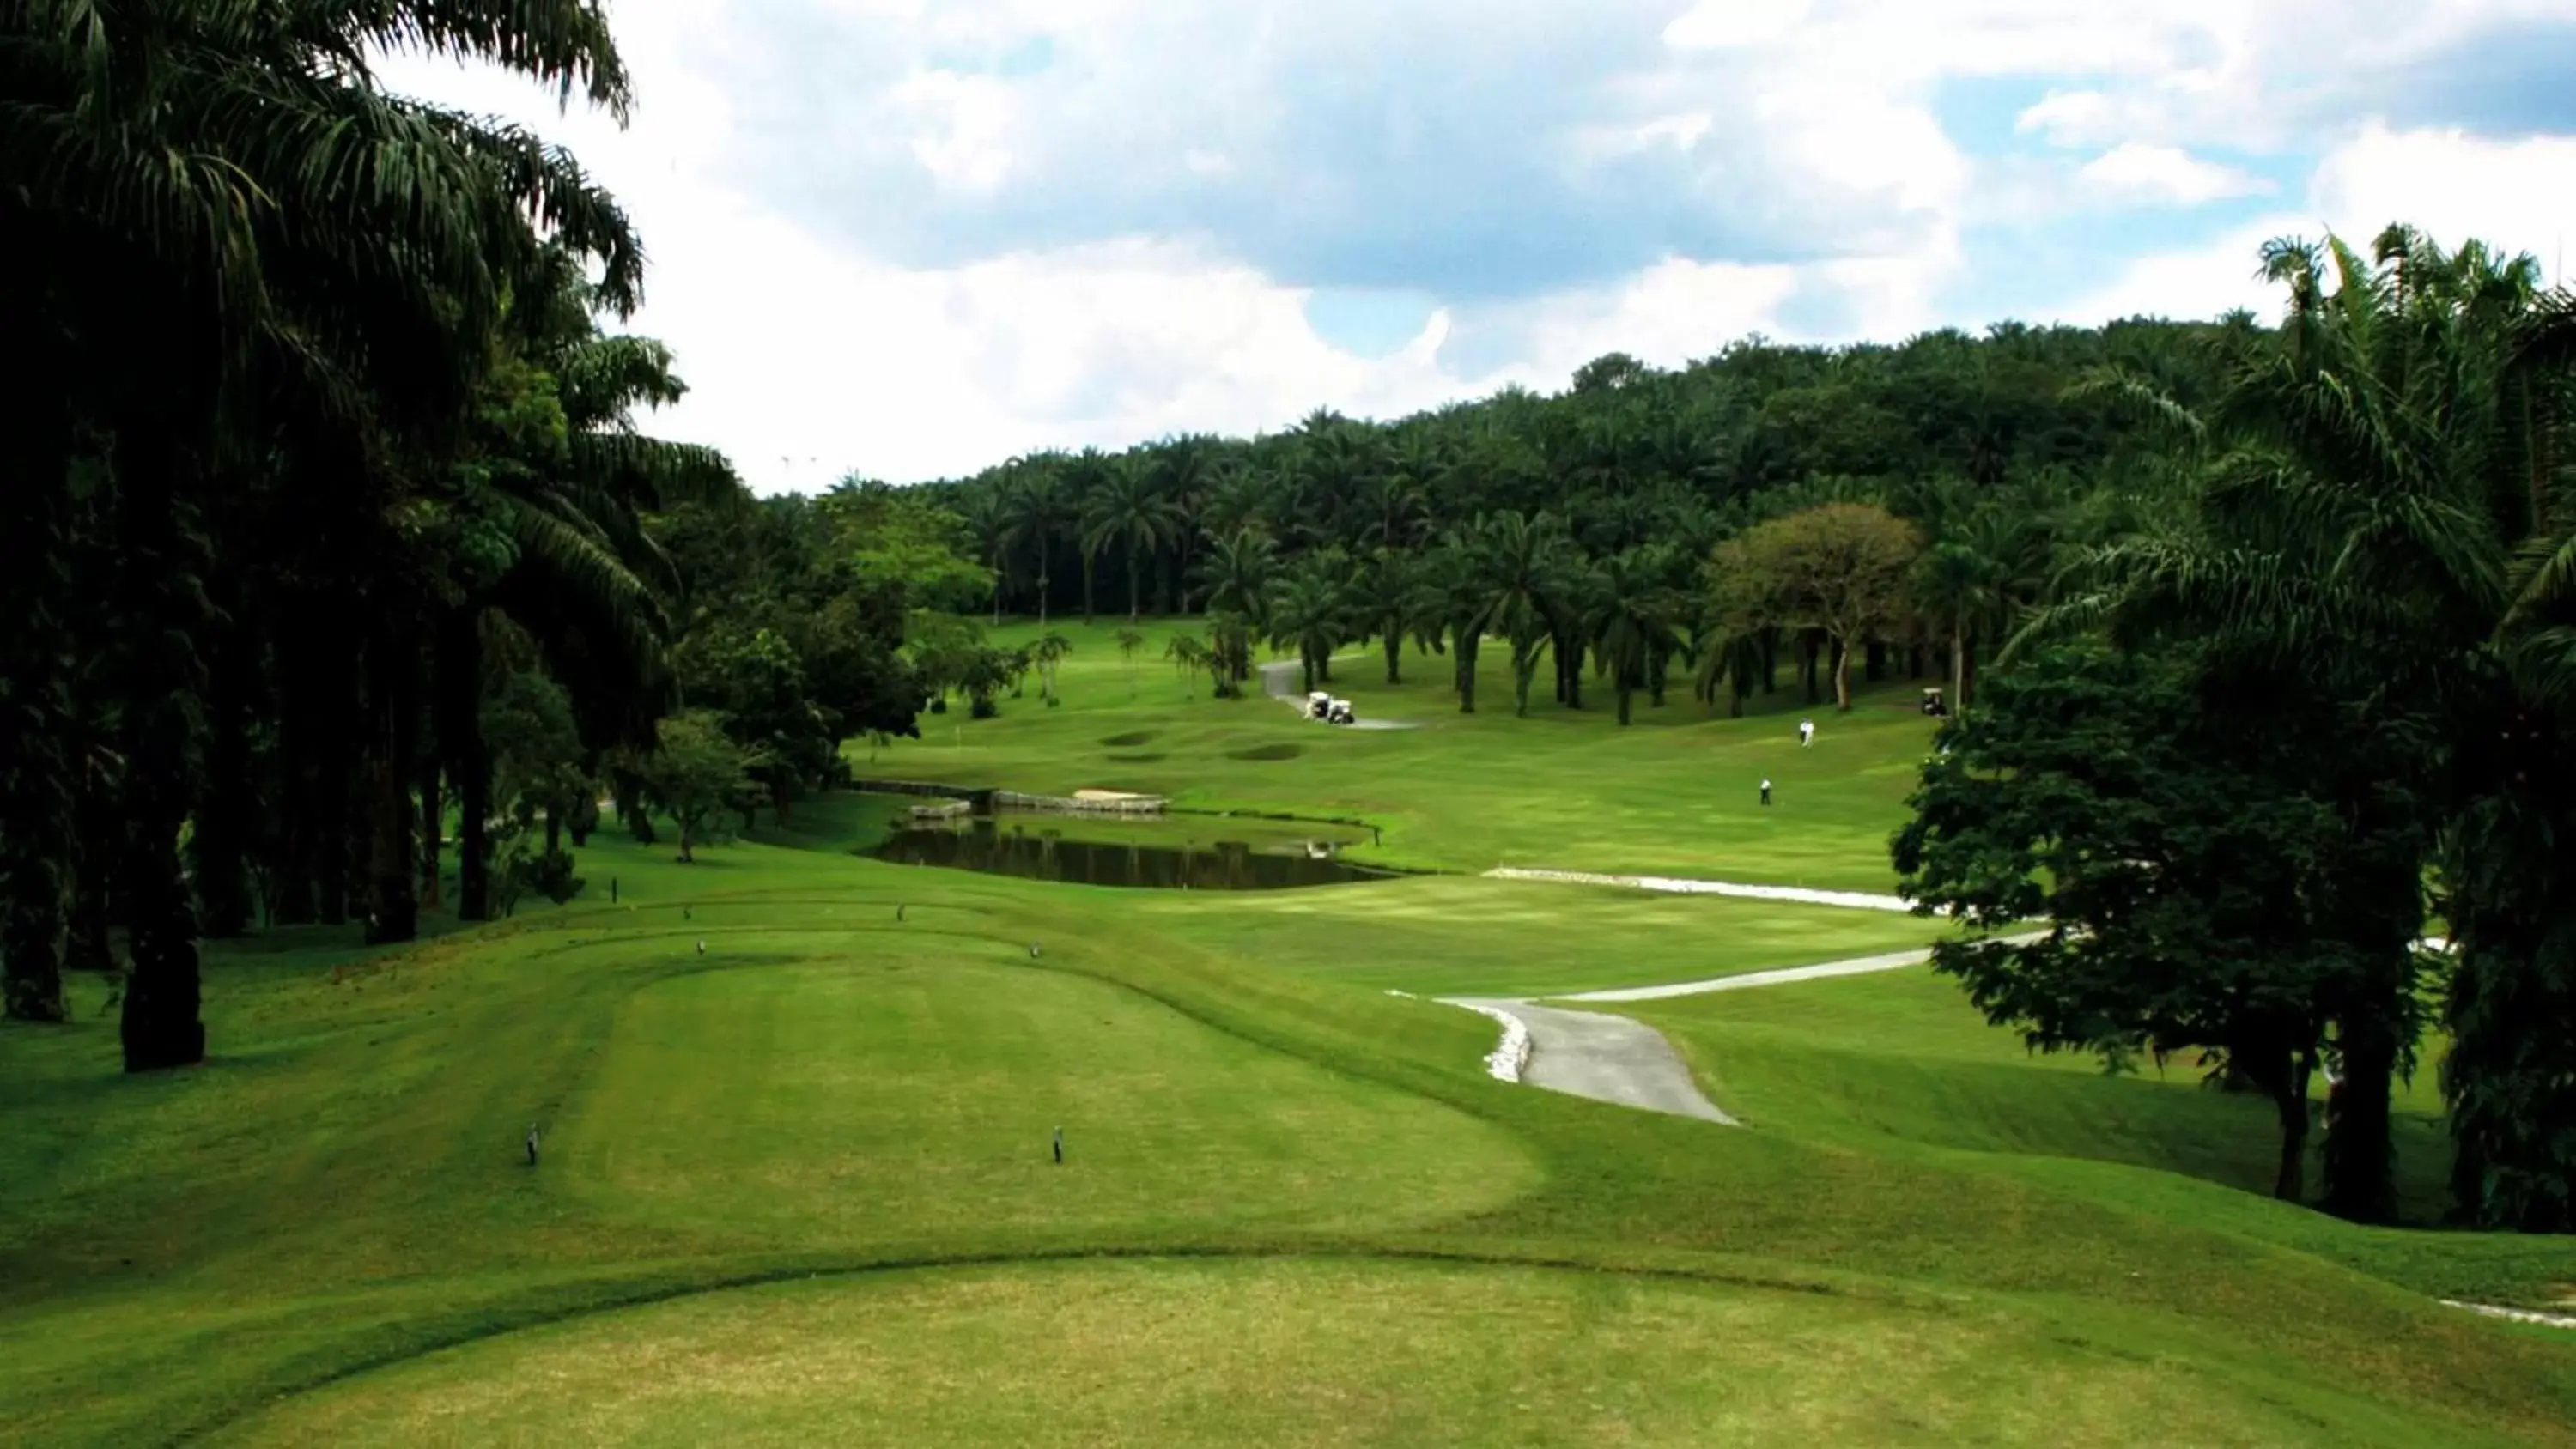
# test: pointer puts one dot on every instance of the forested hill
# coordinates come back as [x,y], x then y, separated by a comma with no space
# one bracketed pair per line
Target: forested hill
[1627,454]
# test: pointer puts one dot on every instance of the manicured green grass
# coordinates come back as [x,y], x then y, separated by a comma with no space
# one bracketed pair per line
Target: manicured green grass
[784,1072]
[797,1187]
[1449,935]
[1303,1353]
[1899,1064]
[1674,794]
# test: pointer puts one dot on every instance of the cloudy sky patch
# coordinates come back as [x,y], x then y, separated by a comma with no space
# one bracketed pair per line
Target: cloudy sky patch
[909,238]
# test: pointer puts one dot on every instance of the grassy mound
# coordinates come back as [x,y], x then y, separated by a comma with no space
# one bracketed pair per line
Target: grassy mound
[913,1096]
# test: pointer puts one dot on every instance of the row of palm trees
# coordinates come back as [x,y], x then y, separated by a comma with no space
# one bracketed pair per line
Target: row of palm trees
[1628,455]
[1637,613]
[316,434]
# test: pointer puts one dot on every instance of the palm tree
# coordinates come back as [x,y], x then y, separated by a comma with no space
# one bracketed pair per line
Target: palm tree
[1083,476]
[986,509]
[1130,644]
[2351,563]
[1238,571]
[1190,466]
[225,180]
[1039,514]
[1046,654]
[1129,508]
[585,580]
[1391,597]
[1191,657]
[1310,608]
[1519,564]
[1629,620]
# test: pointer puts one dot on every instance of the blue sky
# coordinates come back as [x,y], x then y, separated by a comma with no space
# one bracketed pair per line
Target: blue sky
[908,238]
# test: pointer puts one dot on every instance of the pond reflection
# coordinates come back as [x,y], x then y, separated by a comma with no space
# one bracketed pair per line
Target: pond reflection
[1042,853]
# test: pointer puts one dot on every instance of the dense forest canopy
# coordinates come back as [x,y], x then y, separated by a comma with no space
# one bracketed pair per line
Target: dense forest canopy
[343,582]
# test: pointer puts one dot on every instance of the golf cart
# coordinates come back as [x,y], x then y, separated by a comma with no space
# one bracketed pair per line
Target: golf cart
[1339,712]
[1318,704]
[1936,704]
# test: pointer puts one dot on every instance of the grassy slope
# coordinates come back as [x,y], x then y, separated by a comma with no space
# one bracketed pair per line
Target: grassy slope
[1673,794]
[1890,1253]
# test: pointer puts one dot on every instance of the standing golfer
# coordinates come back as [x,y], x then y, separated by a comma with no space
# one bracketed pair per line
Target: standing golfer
[1766,791]
[1806,733]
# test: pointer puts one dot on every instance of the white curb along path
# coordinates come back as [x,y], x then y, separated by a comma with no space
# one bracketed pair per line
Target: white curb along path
[1675,885]
[2518,1315]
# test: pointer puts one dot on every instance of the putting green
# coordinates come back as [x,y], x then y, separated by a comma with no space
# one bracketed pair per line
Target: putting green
[1334,1352]
[916,1098]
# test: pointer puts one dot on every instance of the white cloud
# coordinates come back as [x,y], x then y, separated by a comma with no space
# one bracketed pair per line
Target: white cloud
[963,127]
[2137,173]
[2519,195]
[1725,24]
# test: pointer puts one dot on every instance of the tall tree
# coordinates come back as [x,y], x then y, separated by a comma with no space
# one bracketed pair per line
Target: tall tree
[1130,510]
[1840,568]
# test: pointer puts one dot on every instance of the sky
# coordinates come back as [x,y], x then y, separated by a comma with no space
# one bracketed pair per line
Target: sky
[908,239]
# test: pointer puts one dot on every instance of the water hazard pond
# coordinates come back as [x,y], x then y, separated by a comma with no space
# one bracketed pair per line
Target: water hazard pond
[1205,854]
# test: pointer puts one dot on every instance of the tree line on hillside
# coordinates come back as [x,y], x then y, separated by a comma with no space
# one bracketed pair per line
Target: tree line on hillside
[1579,529]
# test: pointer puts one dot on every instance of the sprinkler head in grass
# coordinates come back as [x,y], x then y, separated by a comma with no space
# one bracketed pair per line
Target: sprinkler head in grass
[532,1144]
[612,890]
[702,946]
[1033,950]
[898,912]
[1059,1146]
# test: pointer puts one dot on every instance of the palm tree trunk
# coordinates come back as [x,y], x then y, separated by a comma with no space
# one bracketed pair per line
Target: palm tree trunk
[1958,667]
[1131,583]
[36,798]
[1089,567]
[2290,1105]
[393,910]
[1626,692]
[163,561]
[433,830]
[2359,1170]
[96,824]
[1394,654]
[1463,663]
[219,847]
[458,675]
[1842,677]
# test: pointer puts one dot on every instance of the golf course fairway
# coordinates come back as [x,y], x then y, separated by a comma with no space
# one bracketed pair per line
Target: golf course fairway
[799,1110]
